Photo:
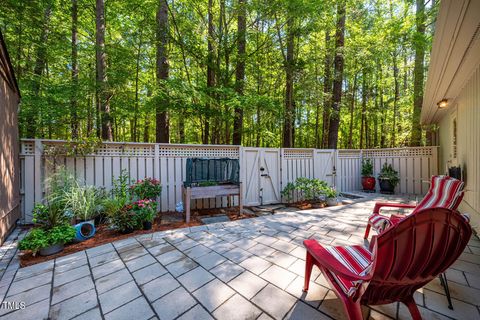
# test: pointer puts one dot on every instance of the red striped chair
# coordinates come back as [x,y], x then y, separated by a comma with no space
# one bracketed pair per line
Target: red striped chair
[444,192]
[398,262]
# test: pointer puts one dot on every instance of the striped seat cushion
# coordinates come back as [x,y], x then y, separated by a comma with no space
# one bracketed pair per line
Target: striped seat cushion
[355,258]
[378,222]
[444,192]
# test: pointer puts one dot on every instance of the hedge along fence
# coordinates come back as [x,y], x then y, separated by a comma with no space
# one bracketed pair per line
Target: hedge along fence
[167,163]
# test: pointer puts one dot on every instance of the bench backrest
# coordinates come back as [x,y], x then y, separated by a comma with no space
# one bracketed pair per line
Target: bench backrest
[201,171]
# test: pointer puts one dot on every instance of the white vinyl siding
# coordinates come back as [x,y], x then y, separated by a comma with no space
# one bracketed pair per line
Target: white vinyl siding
[468,142]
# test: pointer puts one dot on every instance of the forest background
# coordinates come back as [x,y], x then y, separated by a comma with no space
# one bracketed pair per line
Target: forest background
[265,73]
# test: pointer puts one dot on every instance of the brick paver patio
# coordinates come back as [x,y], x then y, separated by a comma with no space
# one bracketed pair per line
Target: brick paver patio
[248,269]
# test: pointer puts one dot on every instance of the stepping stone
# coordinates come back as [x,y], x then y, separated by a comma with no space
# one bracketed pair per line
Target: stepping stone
[209,220]
[171,218]
[268,208]
[287,209]
[248,211]
[263,213]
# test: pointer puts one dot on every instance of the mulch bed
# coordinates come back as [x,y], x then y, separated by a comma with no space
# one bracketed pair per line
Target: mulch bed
[105,235]
[304,205]
[232,213]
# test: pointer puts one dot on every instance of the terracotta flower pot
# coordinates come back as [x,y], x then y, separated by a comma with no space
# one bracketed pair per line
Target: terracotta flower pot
[368,183]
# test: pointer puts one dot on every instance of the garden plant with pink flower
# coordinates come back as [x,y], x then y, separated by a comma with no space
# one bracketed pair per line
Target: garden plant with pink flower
[148,188]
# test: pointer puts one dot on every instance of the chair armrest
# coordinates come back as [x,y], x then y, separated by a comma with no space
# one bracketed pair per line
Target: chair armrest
[324,258]
[379,205]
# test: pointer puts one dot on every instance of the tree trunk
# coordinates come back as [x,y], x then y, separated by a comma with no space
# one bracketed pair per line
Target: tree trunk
[137,72]
[418,73]
[240,70]
[210,73]
[102,83]
[363,126]
[162,132]
[338,76]
[40,64]
[375,118]
[327,90]
[395,101]
[352,109]
[73,102]
[289,69]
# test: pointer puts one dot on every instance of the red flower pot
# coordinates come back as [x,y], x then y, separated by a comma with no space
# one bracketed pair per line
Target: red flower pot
[368,183]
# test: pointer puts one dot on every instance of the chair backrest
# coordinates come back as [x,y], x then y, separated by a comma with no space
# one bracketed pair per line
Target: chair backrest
[445,192]
[414,252]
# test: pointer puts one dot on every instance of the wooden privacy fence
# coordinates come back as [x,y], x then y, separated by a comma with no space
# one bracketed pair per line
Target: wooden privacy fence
[263,171]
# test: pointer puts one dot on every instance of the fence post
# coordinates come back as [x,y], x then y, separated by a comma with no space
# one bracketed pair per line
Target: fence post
[242,170]
[156,171]
[358,186]
[435,163]
[38,169]
[336,171]
[156,162]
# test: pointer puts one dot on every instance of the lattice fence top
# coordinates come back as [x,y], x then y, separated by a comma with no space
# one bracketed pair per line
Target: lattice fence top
[219,151]
[113,149]
[349,153]
[126,150]
[298,153]
[403,152]
[199,151]
[27,147]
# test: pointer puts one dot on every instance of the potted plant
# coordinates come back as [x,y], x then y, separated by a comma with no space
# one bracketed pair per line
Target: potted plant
[368,181]
[145,211]
[47,241]
[330,196]
[147,188]
[84,203]
[388,179]
[125,220]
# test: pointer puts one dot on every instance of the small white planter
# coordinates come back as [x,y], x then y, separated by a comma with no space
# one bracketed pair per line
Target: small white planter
[331,202]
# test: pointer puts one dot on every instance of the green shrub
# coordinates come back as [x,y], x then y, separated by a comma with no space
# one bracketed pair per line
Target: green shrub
[125,219]
[207,183]
[147,188]
[330,192]
[287,192]
[58,185]
[50,216]
[121,186]
[39,238]
[311,189]
[84,202]
[367,167]
[145,210]
[308,189]
[110,206]
[388,173]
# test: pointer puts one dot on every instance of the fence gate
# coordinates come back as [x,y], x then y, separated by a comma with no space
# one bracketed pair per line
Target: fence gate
[261,170]
[325,165]
[269,176]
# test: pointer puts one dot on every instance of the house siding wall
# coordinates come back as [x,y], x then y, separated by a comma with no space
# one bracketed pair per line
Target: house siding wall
[9,160]
[466,108]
